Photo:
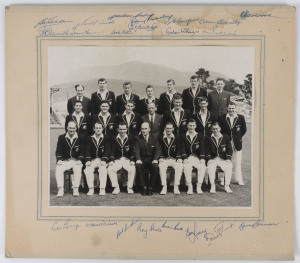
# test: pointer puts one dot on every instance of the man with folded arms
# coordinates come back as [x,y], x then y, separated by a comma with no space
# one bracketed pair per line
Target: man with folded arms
[193,155]
[97,154]
[218,152]
[69,154]
[234,125]
[170,157]
[146,152]
[122,157]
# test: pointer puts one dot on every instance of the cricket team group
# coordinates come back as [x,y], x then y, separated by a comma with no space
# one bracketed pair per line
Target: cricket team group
[194,130]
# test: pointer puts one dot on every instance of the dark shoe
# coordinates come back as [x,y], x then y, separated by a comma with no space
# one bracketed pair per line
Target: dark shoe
[150,192]
[144,192]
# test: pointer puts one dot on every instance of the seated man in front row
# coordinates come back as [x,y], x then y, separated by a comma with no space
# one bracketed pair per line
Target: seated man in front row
[146,152]
[193,155]
[69,154]
[122,157]
[170,157]
[97,152]
[218,153]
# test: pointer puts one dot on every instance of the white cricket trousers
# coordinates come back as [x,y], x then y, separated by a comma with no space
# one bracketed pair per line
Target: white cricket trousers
[66,165]
[163,166]
[193,161]
[89,173]
[224,165]
[237,164]
[119,164]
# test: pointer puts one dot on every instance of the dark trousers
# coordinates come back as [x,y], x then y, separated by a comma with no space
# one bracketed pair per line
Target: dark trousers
[153,169]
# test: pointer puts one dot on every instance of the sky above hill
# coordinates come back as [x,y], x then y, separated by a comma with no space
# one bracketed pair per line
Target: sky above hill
[234,62]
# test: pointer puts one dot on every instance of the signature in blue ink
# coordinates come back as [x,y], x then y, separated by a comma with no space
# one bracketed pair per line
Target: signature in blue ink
[127,227]
[255,225]
[244,14]
[101,223]
[223,22]
[58,225]
[143,230]
[50,21]
[135,25]
[193,233]
[219,229]
[121,32]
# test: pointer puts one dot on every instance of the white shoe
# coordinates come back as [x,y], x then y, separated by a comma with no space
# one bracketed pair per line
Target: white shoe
[75,191]
[102,191]
[60,192]
[199,191]
[190,190]
[116,190]
[227,189]
[130,191]
[241,183]
[164,190]
[176,190]
[90,192]
[213,189]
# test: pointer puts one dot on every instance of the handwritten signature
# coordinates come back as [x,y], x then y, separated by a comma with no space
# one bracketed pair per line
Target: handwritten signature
[255,225]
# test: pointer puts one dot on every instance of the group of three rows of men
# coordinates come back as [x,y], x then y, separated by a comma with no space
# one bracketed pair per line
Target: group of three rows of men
[183,137]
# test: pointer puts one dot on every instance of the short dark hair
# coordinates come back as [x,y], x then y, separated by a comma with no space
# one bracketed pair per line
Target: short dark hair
[194,77]
[102,79]
[171,80]
[178,97]
[231,103]
[76,86]
[122,124]
[104,101]
[220,79]
[71,121]
[215,124]
[130,101]
[149,87]
[202,99]
[127,83]
[169,123]
[77,101]
[191,121]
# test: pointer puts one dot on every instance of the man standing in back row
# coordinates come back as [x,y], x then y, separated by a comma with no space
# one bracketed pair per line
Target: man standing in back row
[166,99]
[191,96]
[122,100]
[86,102]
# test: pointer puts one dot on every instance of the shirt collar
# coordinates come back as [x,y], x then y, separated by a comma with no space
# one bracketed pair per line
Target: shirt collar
[165,135]
[94,136]
[119,137]
[152,99]
[187,133]
[100,114]
[74,136]
[105,91]
[181,109]
[77,98]
[228,116]
[124,113]
[78,115]
[213,136]
[173,92]
[128,95]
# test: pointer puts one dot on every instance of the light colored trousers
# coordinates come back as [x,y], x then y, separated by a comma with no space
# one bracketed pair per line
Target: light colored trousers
[163,166]
[66,165]
[224,165]
[119,164]
[89,173]
[193,161]
[237,163]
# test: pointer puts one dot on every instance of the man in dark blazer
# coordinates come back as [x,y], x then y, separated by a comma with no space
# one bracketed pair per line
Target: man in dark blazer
[107,120]
[69,154]
[234,125]
[126,96]
[178,116]
[193,155]
[203,118]
[122,157]
[218,152]
[83,121]
[86,102]
[143,103]
[146,152]
[170,157]
[218,100]
[166,99]
[131,119]
[191,96]
[155,120]
[97,153]
[102,94]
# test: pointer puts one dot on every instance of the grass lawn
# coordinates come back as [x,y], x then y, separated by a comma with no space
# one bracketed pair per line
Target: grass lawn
[241,196]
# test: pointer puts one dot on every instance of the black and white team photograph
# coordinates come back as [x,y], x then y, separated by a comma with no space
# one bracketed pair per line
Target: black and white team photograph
[151,126]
